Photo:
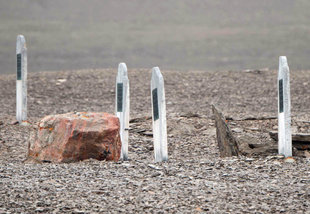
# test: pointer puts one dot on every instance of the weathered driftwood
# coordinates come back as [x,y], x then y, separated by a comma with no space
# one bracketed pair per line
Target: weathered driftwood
[231,145]
[253,118]
[300,140]
[227,143]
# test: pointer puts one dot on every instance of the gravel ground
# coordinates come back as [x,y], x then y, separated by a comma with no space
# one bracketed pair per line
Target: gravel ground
[194,180]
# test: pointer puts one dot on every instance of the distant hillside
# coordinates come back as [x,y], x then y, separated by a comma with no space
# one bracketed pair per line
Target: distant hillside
[173,34]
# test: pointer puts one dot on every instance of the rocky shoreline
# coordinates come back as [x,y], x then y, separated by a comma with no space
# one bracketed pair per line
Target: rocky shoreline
[194,180]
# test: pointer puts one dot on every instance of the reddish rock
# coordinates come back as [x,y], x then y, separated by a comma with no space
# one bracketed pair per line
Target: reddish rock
[77,136]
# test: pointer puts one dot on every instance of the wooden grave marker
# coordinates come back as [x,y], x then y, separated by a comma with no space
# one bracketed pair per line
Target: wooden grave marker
[284,109]
[21,79]
[122,105]
[159,116]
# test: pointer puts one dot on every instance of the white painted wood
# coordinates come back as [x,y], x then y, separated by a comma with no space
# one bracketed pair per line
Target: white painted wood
[122,106]
[159,120]
[21,80]
[284,109]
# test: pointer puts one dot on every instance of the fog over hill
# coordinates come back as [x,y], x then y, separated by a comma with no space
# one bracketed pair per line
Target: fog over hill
[172,34]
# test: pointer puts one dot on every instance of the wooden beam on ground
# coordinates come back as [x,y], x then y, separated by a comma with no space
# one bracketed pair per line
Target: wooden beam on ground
[300,141]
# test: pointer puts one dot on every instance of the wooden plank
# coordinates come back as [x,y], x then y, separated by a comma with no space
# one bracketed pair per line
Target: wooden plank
[227,143]
[299,140]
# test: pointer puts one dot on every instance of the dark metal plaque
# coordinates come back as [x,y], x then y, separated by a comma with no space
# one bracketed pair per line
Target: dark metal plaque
[281,104]
[119,97]
[19,66]
[155,104]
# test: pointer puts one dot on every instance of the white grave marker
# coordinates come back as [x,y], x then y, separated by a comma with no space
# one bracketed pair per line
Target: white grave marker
[21,80]
[122,106]
[159,116]
[284,109]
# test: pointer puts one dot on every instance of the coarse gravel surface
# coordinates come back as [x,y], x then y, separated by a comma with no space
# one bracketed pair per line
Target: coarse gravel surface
[194,180]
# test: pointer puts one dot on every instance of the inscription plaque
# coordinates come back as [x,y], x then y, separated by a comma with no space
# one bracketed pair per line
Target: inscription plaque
[281,104]
[19,66]
[119,97]
[155,104]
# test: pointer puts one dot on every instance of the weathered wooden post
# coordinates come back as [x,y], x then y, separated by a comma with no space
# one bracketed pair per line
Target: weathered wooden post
[159,116]
[21,80]
[284,109]
[122,106]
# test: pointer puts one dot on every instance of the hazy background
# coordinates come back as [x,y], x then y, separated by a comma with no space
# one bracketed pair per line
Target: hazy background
[171,34]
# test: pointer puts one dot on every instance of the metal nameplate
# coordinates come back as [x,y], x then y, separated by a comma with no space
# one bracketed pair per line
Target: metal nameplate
[119,97]
[19,66]
[281,104]
[155,104]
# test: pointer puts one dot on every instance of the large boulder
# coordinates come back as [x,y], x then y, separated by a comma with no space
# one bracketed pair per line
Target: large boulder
[76,136]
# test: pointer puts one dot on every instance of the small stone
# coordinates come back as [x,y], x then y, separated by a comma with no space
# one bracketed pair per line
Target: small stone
[156,174]
[237,130]
[294,129]
[154,167]
[14,122]
[25,123]
[307,154]
[289,160]
[147,133]
[40,209]
[62,80]
[254,129]
[198,209]
[249,159]
[277,162]
[76,211]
